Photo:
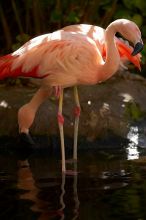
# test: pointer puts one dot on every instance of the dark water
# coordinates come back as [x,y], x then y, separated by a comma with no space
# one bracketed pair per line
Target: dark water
[107,186]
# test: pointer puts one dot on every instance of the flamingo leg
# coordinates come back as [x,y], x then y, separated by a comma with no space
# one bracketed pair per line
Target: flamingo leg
[60,124]
[76,124]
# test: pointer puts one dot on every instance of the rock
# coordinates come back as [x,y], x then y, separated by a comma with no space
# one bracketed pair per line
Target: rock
[107,108]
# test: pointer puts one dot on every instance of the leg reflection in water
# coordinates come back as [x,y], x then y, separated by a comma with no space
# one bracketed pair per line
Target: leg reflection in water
[75,194]
[31,192]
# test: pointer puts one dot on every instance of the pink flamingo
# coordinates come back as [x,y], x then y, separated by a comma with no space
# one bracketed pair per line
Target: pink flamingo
[70,57]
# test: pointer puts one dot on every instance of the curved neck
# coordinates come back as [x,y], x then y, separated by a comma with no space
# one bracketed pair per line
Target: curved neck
[111,64]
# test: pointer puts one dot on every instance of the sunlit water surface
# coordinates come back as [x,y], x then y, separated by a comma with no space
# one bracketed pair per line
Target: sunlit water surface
[108,185]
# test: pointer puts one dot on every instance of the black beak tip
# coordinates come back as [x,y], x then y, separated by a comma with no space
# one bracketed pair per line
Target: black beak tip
[137,49]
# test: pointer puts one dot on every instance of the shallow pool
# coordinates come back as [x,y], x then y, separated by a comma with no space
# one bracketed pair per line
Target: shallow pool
[107,186]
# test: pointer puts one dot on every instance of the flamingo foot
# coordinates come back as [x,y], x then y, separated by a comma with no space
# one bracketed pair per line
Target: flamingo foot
[27,140]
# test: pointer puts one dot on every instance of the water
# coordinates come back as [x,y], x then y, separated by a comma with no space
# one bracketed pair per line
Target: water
[107,185]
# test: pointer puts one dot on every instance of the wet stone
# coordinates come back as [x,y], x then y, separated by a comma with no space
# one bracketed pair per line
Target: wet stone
[106,109]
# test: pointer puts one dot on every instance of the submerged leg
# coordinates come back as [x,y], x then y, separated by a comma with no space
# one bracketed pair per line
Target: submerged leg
[26,113]
[77,115]
[60,124]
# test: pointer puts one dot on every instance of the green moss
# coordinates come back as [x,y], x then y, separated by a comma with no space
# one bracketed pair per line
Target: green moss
[133,111]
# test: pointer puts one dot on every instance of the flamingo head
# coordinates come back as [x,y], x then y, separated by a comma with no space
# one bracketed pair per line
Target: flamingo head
[130,31]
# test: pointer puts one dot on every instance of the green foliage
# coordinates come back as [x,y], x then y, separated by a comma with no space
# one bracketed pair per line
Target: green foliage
[73,17]
[20,40]
[55,16]
[133,111]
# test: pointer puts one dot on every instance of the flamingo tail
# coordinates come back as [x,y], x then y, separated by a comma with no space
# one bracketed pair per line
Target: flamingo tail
[7,71]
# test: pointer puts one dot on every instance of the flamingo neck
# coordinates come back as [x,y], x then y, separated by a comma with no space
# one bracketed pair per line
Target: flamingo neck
[111,64]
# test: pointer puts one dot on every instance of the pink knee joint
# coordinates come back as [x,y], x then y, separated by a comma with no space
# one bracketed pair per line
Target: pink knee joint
[60,119]
[77,111]
[57,91]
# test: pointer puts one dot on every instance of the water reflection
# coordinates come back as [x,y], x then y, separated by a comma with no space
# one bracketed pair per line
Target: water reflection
[133,135]
[132,152]
[75,194]
[132,149]
[26,182]
[104,182]
[31,191]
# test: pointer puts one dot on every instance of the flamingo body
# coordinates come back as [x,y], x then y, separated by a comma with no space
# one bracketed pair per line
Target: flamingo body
[77,54]
[61,57]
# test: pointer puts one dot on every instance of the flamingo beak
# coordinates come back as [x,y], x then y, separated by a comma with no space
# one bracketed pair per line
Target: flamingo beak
[137,48]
